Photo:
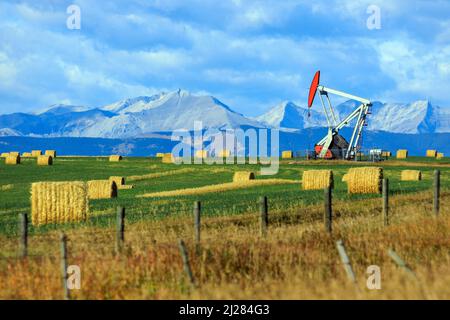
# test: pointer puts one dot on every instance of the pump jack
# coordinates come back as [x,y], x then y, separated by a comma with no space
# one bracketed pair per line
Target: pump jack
[333,145]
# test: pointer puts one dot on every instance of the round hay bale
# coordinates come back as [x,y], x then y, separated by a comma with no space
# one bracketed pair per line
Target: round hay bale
[26,155]
[12,159]
[201,154]
[243,176]
[365,180]
[168,158]
[4,154]
[115,158]
[431,153]
[45,161]
[58,202]
[287,154]
[120,181]
[160,155]
[402,154]
[14,153]
[51,153]
[440,156]
[317,179]
[102,189]
[36,153]
[411,175]
[224,153]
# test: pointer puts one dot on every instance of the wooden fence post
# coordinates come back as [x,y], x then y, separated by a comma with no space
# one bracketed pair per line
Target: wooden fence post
[197,221]
[345,261]
[402,264]
[186,265]
[264,216]
[386,202]
[437,190]
[63,239]
[23,233]
[328,213]
[120,231]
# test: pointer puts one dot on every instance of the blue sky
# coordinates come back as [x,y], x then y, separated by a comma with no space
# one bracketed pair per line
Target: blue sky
[250,54]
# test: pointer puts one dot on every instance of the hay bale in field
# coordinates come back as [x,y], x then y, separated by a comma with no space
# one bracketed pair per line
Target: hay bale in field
[4,154]
[45,161]
[201,154]
[26,155]
[36,153]
[102,189]
[440,156]
[345,178]
[120,182]
[14,153]
[287,154]
[224,153]
[365,180]
[58,202]
[12,159]
[126,187]
[168,158]
[317,179]
[402,154]
[431,153]
[160,155]
[243,176]
[411,175]
[51,153]
[386,154]
[115,158]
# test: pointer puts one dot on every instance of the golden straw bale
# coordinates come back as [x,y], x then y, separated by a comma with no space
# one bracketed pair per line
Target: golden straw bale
[411,175]
[4,154]
[120,182]
[36,153]
[287,154]
[51,153]
[345,177]
[168,158]
[402,154]
[365,180]
[115,158]
[126,187]
[45,161]
[14,153]
[386,154]
[440,155]
[201,154]
[102,189]
[317,179]
[58,202]
[26,155]
[243,176]
[160,155]
[224,153]
[12,160]
[431,153]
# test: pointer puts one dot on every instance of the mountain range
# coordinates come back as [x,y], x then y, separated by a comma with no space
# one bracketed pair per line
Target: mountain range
[166,112]
[155,117]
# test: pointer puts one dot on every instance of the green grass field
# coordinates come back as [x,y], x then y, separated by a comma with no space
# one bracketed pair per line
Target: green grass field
[15,183]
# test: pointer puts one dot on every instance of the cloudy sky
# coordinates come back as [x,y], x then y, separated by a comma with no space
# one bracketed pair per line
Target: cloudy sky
[250,54]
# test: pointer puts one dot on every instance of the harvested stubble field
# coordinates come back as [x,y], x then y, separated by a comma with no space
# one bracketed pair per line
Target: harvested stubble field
[297,260]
